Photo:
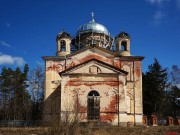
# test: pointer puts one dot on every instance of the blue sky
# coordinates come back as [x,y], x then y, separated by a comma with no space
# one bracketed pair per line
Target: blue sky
[28,28]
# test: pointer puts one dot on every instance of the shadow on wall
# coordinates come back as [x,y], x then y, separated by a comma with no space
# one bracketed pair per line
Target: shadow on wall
[52,106]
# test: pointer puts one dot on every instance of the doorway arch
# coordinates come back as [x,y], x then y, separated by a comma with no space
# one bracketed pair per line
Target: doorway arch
[93,105]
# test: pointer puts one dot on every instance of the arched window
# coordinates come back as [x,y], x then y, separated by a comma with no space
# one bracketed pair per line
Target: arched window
[93,105]
[93,93]
[129,103]
[128,69]
[63,45]
[124,45]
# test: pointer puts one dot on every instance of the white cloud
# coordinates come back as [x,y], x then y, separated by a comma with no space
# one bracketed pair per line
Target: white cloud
[157,1]
[161,10]
[39,63]
[4,43]
[178,85]
[11,60]
[158,17]
[178,4]
[160,3]
[8,25]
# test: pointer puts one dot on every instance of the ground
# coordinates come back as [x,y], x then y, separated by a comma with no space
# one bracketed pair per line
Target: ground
[90,129]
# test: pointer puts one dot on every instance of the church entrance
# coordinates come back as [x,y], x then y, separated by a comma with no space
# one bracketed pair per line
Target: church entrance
[93,105]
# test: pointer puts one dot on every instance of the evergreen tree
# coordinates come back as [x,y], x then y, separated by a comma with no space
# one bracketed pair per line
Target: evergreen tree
[6,91]
[16,99]
[154,89]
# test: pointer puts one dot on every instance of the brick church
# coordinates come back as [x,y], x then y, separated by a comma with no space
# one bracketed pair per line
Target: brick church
[93,77]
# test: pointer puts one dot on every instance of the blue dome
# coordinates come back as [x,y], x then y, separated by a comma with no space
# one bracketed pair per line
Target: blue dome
[92,26]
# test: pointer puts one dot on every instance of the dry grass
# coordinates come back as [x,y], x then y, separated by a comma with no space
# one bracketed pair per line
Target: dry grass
[92,129]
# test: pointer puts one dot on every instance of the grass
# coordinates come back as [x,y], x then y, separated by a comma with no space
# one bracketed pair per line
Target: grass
[91,129]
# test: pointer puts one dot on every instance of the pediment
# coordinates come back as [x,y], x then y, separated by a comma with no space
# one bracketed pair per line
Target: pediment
[89,53]
[93,67]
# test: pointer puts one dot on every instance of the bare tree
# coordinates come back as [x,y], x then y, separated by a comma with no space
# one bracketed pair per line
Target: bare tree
[174,92]
[36,82]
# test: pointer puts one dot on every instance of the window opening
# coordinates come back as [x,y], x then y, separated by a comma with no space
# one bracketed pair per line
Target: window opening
[124,46]
[63,45]
[93,105]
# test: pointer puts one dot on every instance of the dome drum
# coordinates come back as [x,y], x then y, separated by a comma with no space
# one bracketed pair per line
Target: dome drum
[91,38]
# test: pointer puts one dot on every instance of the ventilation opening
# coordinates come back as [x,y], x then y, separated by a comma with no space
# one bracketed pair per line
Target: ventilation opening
[63,45]
[124,45]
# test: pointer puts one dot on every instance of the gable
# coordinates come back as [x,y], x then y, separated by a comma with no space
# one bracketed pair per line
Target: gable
[89,53]
[94,66]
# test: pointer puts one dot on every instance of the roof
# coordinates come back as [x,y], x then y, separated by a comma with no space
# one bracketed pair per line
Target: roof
[123,34]
[64,34]
[92,27]
[131,58]
[56,58]
[112,54]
